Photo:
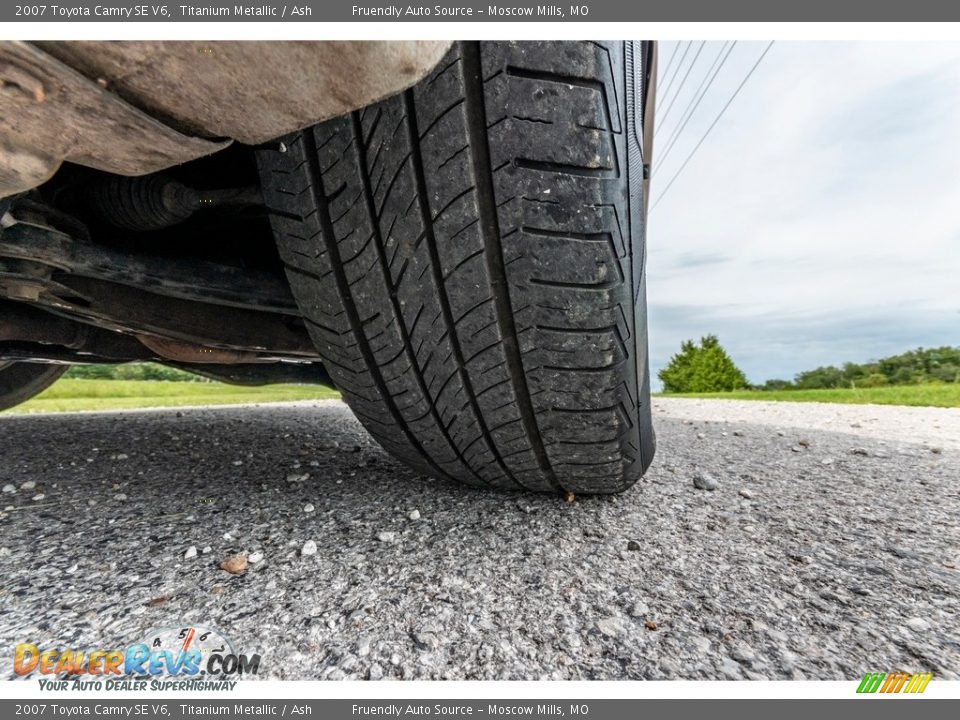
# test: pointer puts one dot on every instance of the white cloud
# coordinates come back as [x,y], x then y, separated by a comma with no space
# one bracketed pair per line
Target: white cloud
[820,221]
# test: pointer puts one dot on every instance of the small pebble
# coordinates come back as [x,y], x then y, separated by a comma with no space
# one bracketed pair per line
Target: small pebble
[413,515]
[256,557]
[235,564]
[387,536]
[190,553]
[741,652]
[28,485]
[639,610]
[611,627]
[308,508]
[309,548]
[8,488]
[704,481]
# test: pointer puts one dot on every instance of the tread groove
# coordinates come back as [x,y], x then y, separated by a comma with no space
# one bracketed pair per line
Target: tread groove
[395,304]
[475,104]
[343,287]
[565,168]
[438,279]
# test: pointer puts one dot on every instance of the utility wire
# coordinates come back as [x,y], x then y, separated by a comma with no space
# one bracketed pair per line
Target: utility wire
[695,101]
[666,69]
[683,82]
[713,124]
[666,88]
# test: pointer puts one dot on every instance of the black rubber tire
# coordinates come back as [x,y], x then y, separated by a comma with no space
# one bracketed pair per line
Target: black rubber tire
[469,258]
[21,381]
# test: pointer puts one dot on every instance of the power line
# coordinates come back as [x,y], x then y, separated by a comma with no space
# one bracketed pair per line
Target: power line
[669,63]
[713,124]
[683,82]
[695,101]
[666,88]
[696,94]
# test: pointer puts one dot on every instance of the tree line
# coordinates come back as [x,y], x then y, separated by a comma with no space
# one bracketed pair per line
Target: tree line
[707,367]
[916,367]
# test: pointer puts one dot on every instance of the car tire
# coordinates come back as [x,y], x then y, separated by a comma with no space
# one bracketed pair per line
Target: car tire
[21,381]
[469,258]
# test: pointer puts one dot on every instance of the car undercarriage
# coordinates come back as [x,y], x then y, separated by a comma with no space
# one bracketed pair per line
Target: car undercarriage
[133,225]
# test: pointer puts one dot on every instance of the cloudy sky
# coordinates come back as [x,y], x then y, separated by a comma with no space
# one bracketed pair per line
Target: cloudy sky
[819,222]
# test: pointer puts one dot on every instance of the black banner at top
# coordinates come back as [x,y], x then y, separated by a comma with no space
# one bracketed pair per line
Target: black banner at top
[482,11]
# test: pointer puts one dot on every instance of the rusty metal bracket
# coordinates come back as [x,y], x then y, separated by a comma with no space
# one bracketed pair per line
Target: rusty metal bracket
[52,113]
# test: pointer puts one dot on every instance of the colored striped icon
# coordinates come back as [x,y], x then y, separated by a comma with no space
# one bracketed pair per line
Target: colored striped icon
[918,682]
[898,682]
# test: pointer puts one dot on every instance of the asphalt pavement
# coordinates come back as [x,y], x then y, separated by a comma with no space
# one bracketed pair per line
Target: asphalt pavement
[749,551]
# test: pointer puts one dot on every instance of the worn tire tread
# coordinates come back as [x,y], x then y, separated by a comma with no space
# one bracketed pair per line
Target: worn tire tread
[465,256]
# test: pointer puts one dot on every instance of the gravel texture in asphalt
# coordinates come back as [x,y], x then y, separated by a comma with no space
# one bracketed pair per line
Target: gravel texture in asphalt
[748,551]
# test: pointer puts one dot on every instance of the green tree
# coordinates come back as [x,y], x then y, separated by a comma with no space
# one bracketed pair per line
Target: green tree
[822,377]
[922,365]
[776,384]
[702,368]
[872,380]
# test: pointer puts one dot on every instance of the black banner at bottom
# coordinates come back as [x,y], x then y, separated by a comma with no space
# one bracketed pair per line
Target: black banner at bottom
[872,708]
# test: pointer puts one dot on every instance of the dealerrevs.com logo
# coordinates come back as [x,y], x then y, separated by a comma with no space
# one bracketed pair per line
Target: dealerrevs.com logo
[176,658]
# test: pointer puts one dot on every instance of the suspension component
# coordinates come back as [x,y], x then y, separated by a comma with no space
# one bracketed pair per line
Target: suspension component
[155,202]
